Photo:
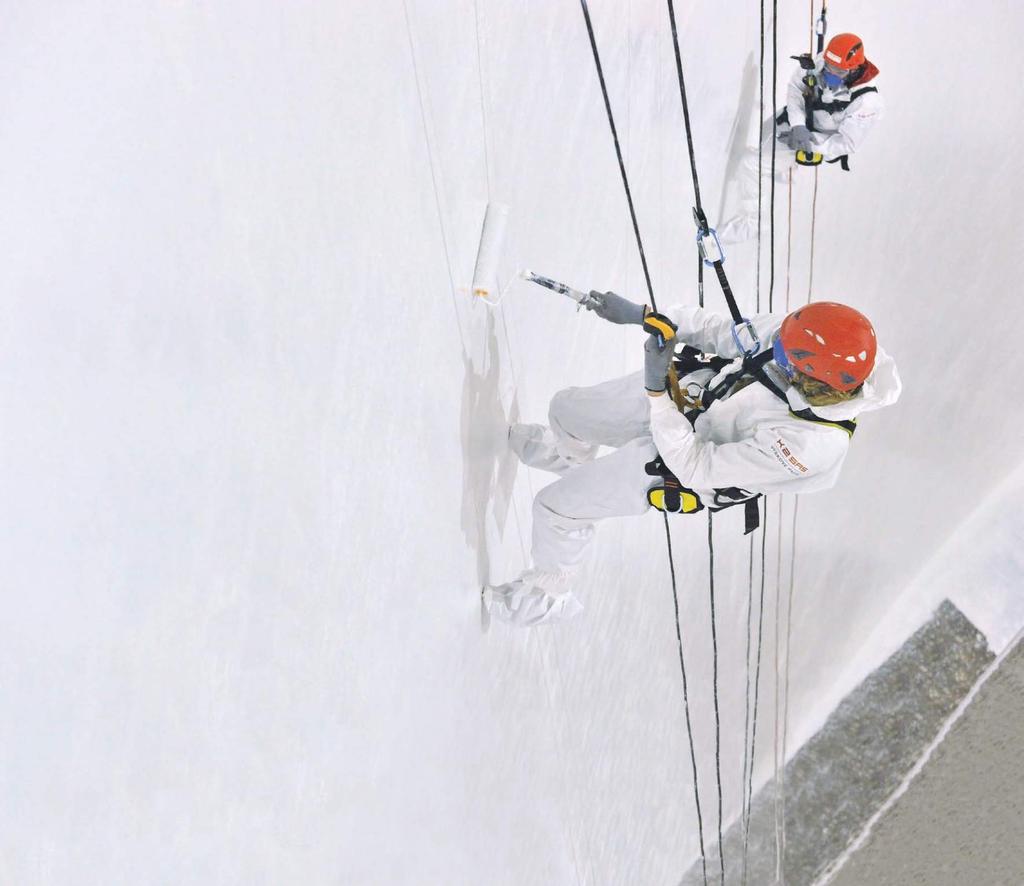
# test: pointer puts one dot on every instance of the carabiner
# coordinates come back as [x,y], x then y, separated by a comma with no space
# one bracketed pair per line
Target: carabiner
[755,342]
[710,249]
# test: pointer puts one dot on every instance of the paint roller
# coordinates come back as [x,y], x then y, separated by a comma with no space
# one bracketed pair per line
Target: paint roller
[492,236]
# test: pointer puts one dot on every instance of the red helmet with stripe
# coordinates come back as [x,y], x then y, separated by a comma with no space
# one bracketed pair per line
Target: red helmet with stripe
[845,51]
[830,342]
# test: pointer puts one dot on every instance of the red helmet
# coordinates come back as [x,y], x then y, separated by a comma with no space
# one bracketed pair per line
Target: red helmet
[830,342]
[845,51]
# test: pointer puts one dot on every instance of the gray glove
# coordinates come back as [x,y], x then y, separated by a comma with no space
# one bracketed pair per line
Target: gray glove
[800,139]
[614,308]
[657,358]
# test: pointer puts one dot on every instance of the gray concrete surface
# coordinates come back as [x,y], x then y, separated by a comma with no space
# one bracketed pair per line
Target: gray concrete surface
[961,820]
[843,775]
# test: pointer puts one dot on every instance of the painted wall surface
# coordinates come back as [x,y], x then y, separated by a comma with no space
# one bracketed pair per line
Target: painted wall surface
[253,425]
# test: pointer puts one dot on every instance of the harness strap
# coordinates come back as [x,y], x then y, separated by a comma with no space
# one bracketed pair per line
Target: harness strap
[831,107]
[841,104]
[751,366]
[672,497]
[849,425]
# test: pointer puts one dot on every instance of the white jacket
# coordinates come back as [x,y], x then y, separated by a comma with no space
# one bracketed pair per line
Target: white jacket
[750,439]
[843,131]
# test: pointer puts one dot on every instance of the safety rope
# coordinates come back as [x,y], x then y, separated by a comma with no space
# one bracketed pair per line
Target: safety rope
[714,684]
[817,29]
[668,534]
[747,762]
[757,686]
[686,701]
[780,877]
[760,162]
[751,756]
[618,152]
[775,141]
[704,231]
[744,808]
[785,695]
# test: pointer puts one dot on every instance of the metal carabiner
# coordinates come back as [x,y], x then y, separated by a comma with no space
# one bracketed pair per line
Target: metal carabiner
[710,248]
[755,342]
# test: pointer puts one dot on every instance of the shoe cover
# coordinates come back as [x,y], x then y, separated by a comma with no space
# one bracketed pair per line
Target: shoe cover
[534,598]
[535,447]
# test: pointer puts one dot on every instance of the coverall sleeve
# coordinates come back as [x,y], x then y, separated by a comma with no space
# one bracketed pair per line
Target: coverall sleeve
[866,111]
[796,110]
[712,333]
[774,456]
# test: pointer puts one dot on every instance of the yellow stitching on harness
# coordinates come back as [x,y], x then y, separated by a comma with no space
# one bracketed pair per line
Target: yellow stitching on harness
[831,424]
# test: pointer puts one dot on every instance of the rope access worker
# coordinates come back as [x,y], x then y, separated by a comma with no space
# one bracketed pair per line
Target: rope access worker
[830,109]
[734,427]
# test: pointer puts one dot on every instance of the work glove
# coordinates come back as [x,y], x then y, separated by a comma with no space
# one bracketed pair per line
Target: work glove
[657,358]
[800,139]
[614,308]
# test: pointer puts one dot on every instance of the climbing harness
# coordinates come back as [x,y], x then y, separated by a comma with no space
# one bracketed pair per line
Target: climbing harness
[668,493]
[813,102]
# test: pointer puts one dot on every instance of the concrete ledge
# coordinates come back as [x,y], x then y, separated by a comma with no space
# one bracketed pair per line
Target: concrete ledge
[959,820]
[844,774]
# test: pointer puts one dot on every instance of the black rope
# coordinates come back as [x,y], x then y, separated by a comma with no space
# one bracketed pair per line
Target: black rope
[757,678]
[760,163]
[775,138]
[745,810]
[714,685]
[698,212]
[686,699]
[686,107]
[618,152]
[704,231]
[668,535]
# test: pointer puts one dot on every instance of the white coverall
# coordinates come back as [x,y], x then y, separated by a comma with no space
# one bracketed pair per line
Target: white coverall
[747,439]
[835,134]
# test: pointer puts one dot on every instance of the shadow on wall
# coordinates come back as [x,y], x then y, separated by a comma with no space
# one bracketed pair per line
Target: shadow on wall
[488,466]
[738,136]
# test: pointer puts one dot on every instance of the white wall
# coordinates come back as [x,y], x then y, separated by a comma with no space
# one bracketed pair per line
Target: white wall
[253,427]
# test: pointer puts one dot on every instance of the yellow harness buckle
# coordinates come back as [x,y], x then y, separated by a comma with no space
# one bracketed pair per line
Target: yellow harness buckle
[673,499]
[808,158]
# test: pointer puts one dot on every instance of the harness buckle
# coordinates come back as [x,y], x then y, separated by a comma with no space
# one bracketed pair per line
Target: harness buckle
[755,342]
[809,158]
